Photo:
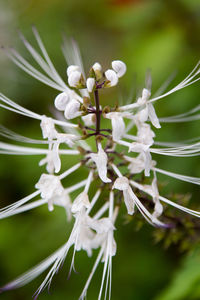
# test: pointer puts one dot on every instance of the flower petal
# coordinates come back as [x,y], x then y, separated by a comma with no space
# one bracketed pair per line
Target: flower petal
[101,160]
[119,67]
[112,77]
[61,101]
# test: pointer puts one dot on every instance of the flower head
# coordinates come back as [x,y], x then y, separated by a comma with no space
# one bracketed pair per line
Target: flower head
[109,168]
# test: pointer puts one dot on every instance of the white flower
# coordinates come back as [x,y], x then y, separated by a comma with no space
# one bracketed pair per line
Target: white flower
[119,67]
[90,84]
[148,111]
[112,78]
[61,138]
[118,126]
[72,109]
[141,116]
[100,158]
[146,94]
[137,164]
[122,184]
[49,187]
[145,135]
[61,101]
[48,128]
[152,116]
[74,78]
[85,237]
[81,201]
[89,120]
[145,154]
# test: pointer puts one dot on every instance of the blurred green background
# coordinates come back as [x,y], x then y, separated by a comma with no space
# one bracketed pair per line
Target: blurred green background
[162,35]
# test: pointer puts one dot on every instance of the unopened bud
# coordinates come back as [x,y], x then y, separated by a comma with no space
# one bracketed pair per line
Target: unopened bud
[90,83]
[119,67]
[74,79]
[72,69]
[112,78]
[72,109]
[97,70]
[61,101]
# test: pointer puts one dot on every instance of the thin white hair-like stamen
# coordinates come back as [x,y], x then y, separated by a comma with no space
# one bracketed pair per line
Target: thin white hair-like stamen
[184,83]
[194,180]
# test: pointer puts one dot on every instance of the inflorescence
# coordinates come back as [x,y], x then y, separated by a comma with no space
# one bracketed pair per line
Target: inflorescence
[115,172]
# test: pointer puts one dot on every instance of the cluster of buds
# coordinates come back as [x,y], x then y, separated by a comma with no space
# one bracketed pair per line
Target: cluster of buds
[110,77]
[119,174]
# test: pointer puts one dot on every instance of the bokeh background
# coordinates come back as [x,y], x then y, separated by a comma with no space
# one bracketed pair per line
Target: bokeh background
[162,35]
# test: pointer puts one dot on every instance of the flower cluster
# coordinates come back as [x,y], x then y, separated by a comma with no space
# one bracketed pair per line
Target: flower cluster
[109,169]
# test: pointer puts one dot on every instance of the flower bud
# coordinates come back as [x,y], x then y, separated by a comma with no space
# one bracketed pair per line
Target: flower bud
[72,109]
[97,70]
[97,67]
[112,78]
[72,69]
[90,84]
[119,67]
[61,101]
[74,78]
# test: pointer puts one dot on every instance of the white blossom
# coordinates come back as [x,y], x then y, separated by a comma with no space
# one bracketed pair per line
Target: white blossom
[48,128]
[145,135]
[61,138]
[80,202]
[137,164]
[148,110]
[49,186]
[100,159]
[118,126]
[122,184]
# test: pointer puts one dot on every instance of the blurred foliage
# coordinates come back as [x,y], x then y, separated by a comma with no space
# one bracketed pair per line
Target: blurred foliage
[157,34]
[185,282]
